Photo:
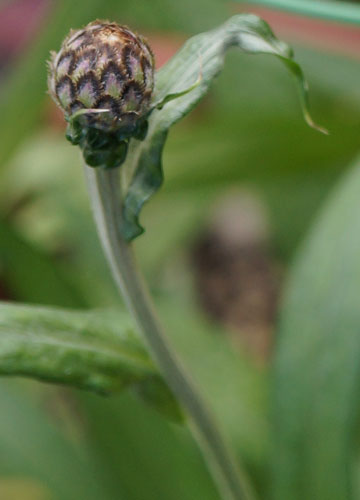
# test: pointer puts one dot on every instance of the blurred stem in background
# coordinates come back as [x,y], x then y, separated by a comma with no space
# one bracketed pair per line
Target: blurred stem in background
[106,200]
[333,11]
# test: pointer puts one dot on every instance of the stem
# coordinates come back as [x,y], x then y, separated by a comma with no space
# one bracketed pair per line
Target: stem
[345,12]
[106,202]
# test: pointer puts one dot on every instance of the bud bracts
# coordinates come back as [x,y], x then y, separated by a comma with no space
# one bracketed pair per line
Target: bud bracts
[103,67]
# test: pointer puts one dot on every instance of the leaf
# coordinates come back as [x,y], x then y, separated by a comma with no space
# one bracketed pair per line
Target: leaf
[24,265]
[34,445]
[202,54]
[97,351]
[316,379]
[128,440]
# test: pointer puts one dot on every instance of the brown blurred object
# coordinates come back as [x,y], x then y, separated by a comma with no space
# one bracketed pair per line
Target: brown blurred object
[4,294]
[236,278]
[329,36]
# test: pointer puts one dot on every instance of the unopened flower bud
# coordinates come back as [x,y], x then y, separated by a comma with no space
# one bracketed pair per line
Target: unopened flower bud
[103,79]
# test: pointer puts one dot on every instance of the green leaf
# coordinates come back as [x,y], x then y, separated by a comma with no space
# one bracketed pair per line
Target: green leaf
[97,351]
[34,447]
[24,265]
[316,380]
[201,55]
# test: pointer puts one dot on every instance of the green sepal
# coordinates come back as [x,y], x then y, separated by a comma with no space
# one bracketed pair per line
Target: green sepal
[141,130]
[103,148]
[108,157]
[73,133]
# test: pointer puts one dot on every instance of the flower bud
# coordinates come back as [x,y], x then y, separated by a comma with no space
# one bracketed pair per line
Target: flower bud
[108,70]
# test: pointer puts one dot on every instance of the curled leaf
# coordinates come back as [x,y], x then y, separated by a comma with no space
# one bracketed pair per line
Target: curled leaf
[143,167]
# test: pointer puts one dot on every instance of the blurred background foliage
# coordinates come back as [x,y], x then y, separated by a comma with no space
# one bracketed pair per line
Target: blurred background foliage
[244,180]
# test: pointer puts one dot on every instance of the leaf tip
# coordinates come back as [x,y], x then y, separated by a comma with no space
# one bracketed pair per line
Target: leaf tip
[314,125]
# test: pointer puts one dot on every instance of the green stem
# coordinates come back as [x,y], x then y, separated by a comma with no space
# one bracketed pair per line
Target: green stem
[345,12]
[106,202]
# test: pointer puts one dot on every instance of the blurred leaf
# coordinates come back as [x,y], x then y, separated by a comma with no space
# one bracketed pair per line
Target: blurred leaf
[49,252]
[317,363]
[31,446]
[131,441]
[32,275]
[203,55]
[97,351]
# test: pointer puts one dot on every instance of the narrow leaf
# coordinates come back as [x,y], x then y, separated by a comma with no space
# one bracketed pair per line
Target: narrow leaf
[317,365]
[203,54]
[97,351]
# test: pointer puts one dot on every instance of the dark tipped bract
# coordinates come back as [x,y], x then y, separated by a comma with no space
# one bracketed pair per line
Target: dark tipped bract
[103,66]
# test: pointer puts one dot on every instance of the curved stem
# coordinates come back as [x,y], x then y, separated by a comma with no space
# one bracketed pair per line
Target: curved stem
[345,12]
[106,202]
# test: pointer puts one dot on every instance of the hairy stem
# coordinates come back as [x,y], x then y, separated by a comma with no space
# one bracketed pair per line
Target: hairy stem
[106,202]
[330,10]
